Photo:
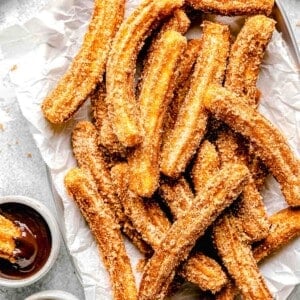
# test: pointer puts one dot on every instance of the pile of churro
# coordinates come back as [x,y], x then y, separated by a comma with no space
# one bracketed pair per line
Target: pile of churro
[176,155]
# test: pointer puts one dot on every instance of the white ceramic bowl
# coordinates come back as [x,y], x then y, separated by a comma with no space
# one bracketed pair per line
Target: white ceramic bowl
[55,240]
[52,295]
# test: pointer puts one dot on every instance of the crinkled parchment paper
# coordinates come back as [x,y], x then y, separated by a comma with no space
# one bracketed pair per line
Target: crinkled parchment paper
[41,50]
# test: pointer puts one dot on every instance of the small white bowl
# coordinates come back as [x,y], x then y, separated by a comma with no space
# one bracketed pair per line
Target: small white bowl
[55,240]
[52,295]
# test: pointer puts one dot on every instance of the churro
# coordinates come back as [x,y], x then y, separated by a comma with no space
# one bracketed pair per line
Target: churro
[270,144]
[177,195]
[122,63]
[233,8]
[102,222]
[207,162]
[182,84]
[9,232]
[89,64]
[155,95]
[190,125]
[107,137]
[89,157]
[238,259]
[285,226]
[251,213]
[246,55]
[151,222]
[219,192]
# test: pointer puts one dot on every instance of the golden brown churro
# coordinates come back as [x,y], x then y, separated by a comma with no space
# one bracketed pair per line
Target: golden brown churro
[107,137]
[238,259]
[233,8]
[285,226]
[246,55]
[177,195]
[207,162]
[146,215]
[155,95]
[270,144]
[151,222]
[88,66]
[121,67]
[9,232]
[252,215]
[182,84]
[85,148]
[191,121]
[219,193]
[101,220]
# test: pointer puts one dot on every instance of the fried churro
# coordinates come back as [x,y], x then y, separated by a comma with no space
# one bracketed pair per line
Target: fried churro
[156,92]
[220,192]
[146,215]
[182,84]
[9,232]
[89,157]
[246,55]
[177,195]
[107,137]
[251,212]
[270,144]
[207,162]
[190,125]
[102,222]
[285,226]
[233,8]
[238,259]
[151,222]
[89,64]
[121,67]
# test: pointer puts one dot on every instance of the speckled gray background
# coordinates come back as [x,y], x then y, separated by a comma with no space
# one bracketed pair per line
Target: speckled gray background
[22,169]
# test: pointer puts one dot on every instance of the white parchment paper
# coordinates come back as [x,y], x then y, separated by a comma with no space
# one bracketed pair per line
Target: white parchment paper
[41,50]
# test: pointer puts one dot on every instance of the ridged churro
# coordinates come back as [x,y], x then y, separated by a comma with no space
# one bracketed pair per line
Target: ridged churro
[151,222]
[207,162]
[102,222]
[182,84]
[246,55]
[251,213]
[233,8]
[177,195]
[219,193]
[89,156]
[89,64]
[145,214]
[285,226]
[270,144]
[178,21]
[9,232]
[102,122]
[238,259]
[191,121]
[121,67]
[156,92]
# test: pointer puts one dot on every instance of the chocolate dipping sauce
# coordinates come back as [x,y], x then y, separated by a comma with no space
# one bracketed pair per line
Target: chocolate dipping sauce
[32,248]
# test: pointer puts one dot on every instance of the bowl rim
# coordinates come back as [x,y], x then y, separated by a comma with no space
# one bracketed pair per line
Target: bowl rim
[53,295]
[55,239]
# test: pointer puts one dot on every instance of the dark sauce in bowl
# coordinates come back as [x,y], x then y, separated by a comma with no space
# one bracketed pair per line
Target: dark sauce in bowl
[32,248]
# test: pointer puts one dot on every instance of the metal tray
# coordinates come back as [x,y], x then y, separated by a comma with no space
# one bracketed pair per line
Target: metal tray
[284,26]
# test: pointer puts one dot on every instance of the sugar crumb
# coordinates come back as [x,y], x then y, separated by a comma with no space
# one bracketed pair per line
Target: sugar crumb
[29,155]
[1,127]
[13,68]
